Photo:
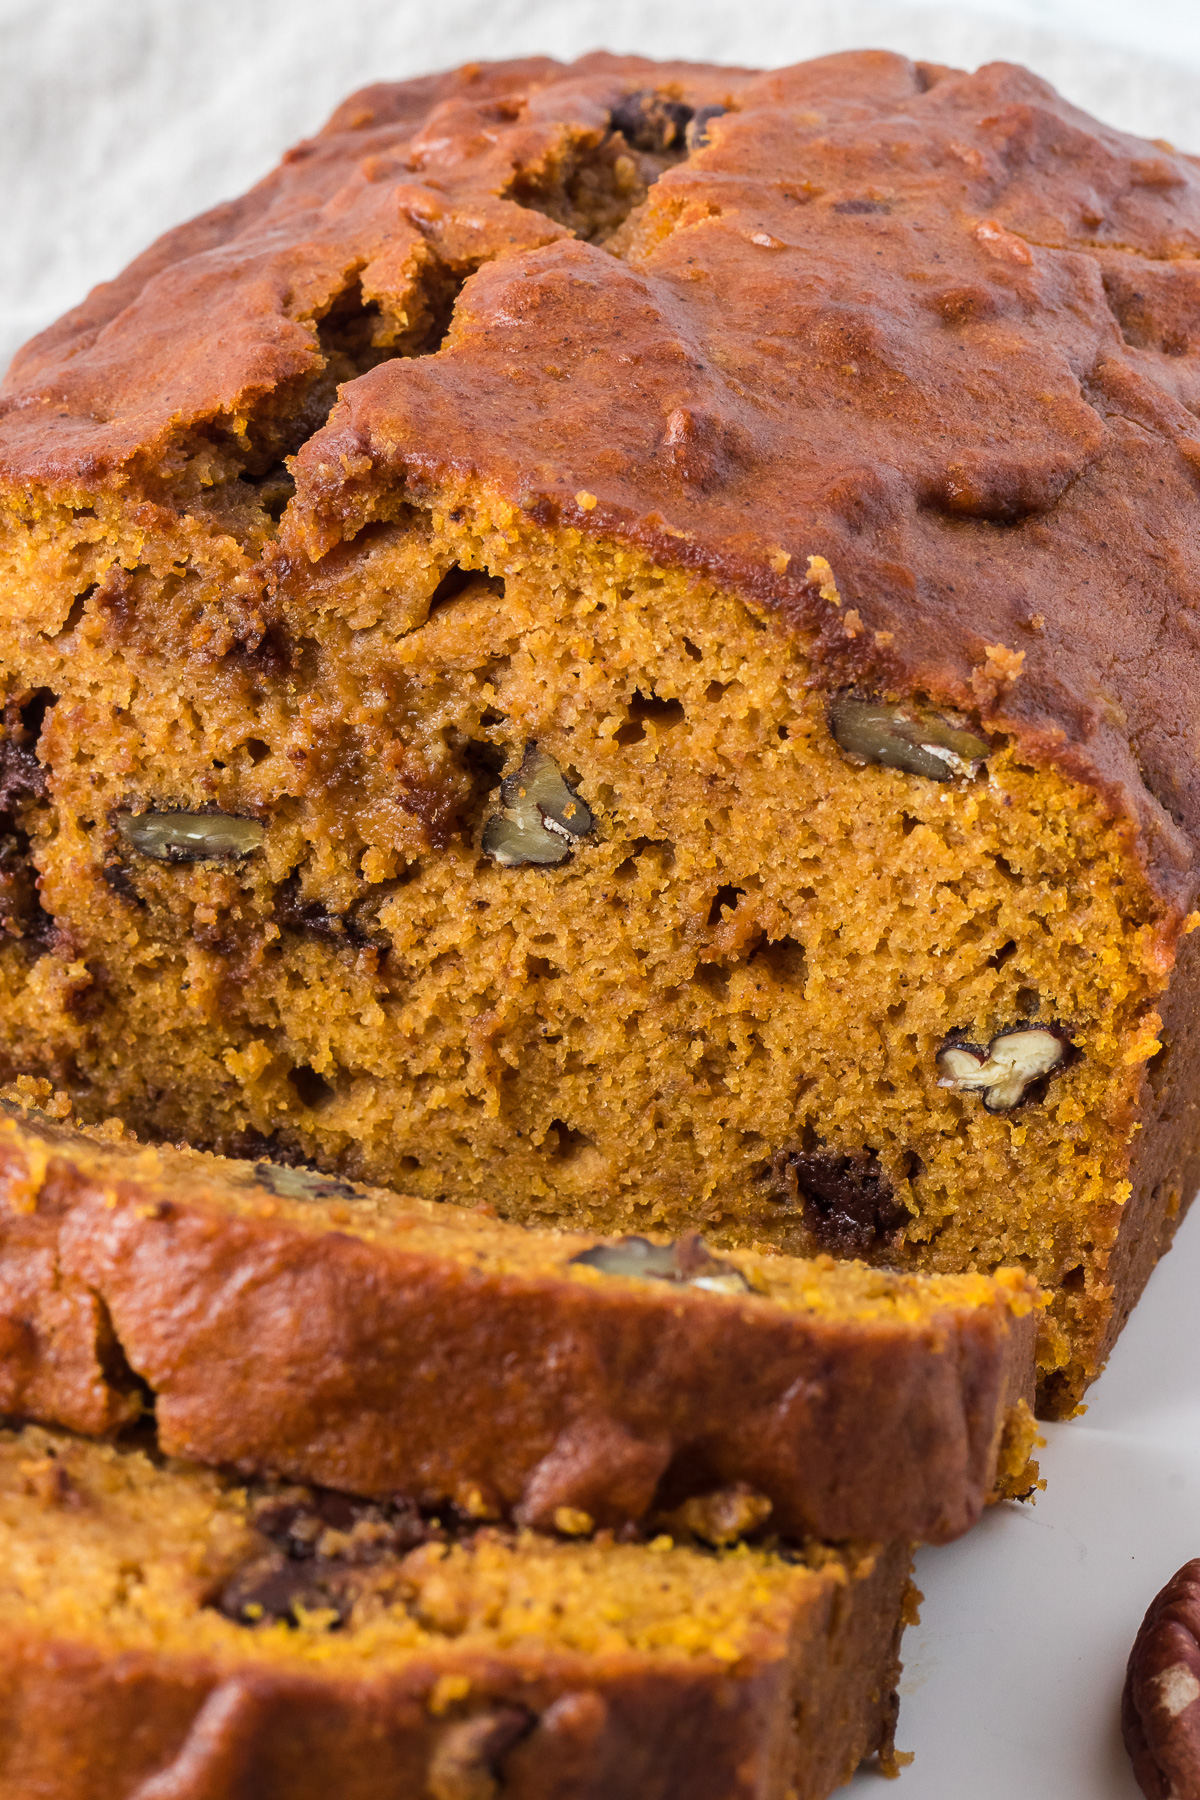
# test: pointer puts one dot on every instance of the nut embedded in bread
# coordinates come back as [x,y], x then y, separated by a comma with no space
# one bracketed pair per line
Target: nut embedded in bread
[163,1630]
[803,502]
[284,1321]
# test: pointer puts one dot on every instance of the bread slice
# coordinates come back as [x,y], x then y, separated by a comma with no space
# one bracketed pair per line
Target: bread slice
[165,1633]
[700,736]
[282,1320]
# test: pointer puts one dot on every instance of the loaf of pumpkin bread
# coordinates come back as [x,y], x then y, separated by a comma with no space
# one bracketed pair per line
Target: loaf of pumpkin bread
[165,1633]
[617,640]
[277,1320]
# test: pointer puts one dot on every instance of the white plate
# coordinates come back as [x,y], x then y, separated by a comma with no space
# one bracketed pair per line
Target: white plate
[1012,1680]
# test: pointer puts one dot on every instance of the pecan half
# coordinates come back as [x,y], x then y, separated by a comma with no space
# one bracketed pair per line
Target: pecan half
[1160,1708]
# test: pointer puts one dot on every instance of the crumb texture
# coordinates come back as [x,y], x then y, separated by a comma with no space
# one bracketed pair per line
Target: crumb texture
[602,643]
[414,1347]
[174,1625]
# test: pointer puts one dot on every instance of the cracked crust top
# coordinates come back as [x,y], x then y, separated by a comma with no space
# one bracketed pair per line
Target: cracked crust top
[908,357]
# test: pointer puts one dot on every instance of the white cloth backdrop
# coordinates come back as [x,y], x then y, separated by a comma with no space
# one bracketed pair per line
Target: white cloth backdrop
[120,117]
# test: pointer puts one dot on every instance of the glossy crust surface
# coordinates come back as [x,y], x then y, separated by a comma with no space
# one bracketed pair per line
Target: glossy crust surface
[935,328]
[380,1346]
[1160,1710]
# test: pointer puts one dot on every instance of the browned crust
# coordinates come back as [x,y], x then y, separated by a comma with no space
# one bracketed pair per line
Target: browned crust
[964,375]
[361,1365]
[1164,1174]
[86,1723]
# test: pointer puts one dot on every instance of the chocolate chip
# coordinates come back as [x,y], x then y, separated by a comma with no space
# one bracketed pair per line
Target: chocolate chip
[1160,1708]
[277,1589]
[185,837]
[861,206]
[849,1205]
[688,1261]
[22,914]
[906,737]
[327,1551]
[22,776]
[297,1521]
[651,121]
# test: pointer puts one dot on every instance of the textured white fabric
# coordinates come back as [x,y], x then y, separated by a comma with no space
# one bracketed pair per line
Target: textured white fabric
[119,118]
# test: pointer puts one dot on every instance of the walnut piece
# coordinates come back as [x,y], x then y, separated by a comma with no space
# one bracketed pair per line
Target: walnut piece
[1005,1069]
[184,837]
[906,737]
[688,1261]
[466,1763]
[541,818]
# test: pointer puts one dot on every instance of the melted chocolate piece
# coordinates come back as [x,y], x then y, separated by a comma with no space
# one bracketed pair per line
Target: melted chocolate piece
[22,914]
[251,1145]
[116,875]
[275,1589]
[22,776]
[650,121]
[316,919]
[848,1202]
[325,1553]
[22,779]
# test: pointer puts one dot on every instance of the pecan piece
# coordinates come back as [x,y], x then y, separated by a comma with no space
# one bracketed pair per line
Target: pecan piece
[185,837]
[541,817]
[688,1261]
[466,1764]
[303,1184]
[911,738]
[1007,1068]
